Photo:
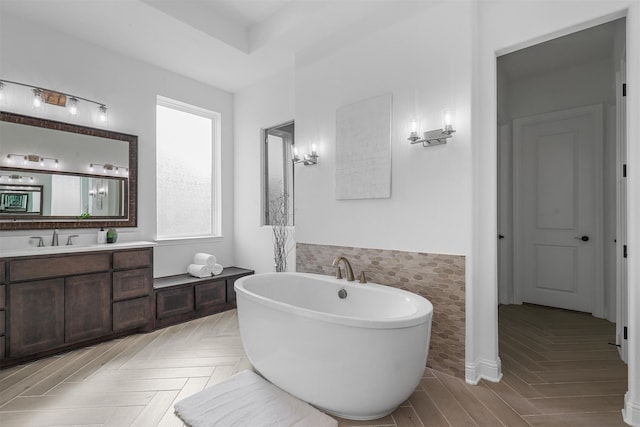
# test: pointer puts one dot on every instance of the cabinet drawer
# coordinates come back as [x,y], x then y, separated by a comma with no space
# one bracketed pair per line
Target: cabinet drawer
[3,290]
[131,313]
[131,283]
[2,267]
[56,266]
[174,301]
[2,322]
[131,259]
[211,293]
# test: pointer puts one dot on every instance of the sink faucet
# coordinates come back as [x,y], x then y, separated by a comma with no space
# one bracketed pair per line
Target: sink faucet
[54,238]
[40,241]
[347,266]
[69,239]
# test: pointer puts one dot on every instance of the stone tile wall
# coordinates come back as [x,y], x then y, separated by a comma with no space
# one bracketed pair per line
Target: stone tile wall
[439,278]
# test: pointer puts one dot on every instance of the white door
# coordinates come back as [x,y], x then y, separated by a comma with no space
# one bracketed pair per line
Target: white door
[558,208]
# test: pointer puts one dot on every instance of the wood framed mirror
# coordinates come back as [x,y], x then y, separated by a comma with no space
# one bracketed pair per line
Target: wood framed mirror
[88,175]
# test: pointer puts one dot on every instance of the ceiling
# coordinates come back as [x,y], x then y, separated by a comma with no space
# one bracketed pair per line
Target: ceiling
[228,44]
[231,44]
[581,47]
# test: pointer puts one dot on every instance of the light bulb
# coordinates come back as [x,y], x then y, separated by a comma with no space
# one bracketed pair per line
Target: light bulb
[313,148]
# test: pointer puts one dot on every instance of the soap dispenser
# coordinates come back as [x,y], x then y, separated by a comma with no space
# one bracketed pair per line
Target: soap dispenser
[102,235]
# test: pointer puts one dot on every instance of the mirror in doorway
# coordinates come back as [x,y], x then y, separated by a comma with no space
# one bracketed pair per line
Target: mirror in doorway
[278,142]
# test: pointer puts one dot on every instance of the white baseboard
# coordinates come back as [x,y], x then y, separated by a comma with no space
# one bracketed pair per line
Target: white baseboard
[490,370]
[631,412]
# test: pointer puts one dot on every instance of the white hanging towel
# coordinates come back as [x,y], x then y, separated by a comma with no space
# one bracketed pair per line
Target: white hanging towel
[199,270]
[204,259]
[217,269]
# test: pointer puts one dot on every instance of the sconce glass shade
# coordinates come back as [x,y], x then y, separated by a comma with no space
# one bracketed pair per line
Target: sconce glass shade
[73,106]
[414,129]
[2,94]
[102,114]
[447,121]
[38,99]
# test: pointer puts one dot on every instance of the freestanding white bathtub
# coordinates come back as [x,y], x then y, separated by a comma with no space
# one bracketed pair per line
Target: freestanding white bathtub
[357,357]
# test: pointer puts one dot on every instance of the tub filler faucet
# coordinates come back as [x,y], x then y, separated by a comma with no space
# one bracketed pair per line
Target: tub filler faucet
[347,266]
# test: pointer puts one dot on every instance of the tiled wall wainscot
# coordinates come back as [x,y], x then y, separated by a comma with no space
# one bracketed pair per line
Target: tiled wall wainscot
[439,278]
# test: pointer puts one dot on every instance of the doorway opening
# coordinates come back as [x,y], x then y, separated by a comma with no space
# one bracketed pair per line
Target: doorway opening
[561,175]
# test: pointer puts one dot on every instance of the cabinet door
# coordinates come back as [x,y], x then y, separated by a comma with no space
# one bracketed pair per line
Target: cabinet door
[36,316]
[212,293]
[87,306]
[174,301]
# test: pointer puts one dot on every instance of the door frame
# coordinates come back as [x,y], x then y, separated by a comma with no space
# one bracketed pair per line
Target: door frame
[596,111]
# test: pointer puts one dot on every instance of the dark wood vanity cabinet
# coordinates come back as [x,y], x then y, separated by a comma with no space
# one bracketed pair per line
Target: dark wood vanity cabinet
[58,302]
[3,311]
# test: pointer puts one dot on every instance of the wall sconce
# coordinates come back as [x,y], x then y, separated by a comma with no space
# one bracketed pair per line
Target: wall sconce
[19,178]
[307,159]
[107,167]
[43,96]
[432,137]
[34,158]
[98,194]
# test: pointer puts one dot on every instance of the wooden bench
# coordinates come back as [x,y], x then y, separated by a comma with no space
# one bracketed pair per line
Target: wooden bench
[182,297]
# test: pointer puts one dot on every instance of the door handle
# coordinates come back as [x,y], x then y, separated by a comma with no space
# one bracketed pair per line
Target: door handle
[583,238]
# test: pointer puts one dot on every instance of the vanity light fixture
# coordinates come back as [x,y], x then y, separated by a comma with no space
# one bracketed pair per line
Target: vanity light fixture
[109,168]
[43,96]
[18,178]
[308,159]
[33,158]
[432,137]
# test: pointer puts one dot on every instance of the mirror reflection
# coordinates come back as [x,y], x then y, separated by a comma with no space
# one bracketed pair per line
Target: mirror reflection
[20,199]
[62,195]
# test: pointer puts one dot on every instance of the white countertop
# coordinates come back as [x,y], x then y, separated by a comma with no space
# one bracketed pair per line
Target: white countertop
[65,249]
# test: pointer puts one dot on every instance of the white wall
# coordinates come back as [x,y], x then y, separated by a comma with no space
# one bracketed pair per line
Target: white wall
[262,105]
[425,68]
[35,55]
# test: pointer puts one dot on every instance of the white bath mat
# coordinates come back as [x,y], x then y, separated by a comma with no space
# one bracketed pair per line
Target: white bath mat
[247,400]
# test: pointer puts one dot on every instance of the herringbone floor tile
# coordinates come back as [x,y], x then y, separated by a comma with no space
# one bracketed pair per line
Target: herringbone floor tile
[558,371]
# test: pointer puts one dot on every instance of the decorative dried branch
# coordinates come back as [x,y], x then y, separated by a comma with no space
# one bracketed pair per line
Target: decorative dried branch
[279,218]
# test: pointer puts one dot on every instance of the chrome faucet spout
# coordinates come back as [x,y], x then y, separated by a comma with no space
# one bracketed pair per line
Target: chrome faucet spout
[54,238]
[347,267]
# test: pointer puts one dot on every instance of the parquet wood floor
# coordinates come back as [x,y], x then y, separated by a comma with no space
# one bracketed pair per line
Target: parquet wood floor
[558,371]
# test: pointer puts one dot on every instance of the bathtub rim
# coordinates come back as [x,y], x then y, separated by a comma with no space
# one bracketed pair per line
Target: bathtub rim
[423,313]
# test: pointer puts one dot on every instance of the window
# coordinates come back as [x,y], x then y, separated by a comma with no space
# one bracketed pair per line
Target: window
[277,199]
[187,170]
